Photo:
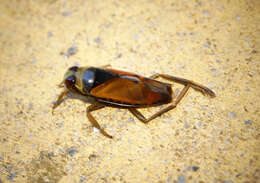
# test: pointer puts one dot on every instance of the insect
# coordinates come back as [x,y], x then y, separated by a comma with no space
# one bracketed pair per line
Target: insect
[104,87]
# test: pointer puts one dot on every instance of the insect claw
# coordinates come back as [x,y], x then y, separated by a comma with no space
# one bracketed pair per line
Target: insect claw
[54,106]
[61,85]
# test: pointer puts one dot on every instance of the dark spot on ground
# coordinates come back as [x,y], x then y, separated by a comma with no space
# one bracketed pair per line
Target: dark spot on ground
[72,51]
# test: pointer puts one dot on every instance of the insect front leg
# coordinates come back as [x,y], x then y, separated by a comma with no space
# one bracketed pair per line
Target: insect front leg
[93,121]
[61,85]
[60,99]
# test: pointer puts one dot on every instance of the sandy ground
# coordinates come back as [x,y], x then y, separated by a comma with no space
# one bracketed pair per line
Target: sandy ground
[216,43]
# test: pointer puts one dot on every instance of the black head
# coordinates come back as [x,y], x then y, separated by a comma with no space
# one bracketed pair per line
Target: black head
[70,78]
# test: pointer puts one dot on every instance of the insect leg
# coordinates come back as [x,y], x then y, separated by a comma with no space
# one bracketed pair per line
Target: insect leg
[137,114]
[154,76]
[59,100]
[93,121]
[61,84]
[203,89]
[105,66]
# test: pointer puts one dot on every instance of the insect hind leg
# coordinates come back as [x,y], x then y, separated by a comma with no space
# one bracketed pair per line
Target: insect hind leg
[139,115]
[187,84]
[203,89]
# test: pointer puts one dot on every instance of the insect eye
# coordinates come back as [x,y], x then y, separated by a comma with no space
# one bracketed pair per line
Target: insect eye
[70,81]
[74,68]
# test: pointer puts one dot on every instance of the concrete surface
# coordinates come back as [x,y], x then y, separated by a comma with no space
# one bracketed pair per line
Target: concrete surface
[213,42]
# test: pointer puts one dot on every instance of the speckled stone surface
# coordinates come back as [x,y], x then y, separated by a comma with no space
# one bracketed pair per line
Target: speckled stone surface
[216,43]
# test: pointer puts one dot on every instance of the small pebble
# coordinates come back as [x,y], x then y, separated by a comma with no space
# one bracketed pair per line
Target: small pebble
[119,56]
[186,125]
[92,157]
[30,105]
[181,179]
[168,121]
[213,70]
[108,25]
[180,48]
[135,37]
[34,60]
[49,34]
[72,51]
[206,13]
[9,168]
[232,115]
[156,59]
[97,40]
[238,17]
[169,179]
[206,45]
[195,168]
[3,91]
[96,130]
[72,151]
[227,181]
[82,178]
[131,120]
[51,154]
[11,176]
[248,122]
[199,124]
[60,124]
[66,13]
